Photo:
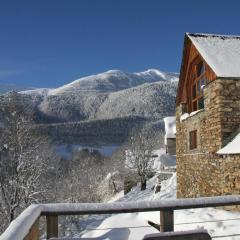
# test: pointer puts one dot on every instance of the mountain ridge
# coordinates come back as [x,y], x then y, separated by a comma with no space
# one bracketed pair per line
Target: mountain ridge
[111,94]
[8,87]
[109,81]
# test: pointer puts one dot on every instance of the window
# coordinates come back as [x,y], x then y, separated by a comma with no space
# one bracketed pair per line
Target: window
[193,139]
[198,81]
[200,68]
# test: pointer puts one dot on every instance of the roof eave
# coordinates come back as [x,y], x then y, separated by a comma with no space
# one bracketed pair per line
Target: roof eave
[186,38]
[229,78]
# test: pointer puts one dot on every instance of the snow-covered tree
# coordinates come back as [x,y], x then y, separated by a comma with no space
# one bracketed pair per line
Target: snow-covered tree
[139,155]
[23,163]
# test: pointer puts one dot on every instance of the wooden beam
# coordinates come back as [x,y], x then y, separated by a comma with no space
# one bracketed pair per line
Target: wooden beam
[166,221]
[52,226]
[155,225]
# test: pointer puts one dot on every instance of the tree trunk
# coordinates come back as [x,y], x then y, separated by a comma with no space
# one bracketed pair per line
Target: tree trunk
[143,184]
[11,215]
[114,187]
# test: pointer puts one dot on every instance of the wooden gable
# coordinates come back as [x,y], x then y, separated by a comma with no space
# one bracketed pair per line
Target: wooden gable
[191,57]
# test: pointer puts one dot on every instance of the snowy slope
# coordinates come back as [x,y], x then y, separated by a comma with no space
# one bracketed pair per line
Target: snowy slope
[217,222]
[149,100]
[38,91]
[132,226]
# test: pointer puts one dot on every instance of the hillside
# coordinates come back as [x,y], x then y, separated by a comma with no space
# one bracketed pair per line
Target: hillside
[219,223]
[103,108]
[112,94]
[149,100]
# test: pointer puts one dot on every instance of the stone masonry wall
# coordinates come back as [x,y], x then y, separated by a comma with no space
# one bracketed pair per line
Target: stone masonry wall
[202,172]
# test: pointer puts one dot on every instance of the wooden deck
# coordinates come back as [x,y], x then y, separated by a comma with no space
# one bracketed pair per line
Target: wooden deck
[26,225]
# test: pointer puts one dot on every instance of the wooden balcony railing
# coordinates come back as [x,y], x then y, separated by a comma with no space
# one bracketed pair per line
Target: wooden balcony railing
[26,225]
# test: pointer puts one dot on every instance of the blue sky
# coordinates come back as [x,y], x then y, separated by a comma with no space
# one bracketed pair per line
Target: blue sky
[48,43]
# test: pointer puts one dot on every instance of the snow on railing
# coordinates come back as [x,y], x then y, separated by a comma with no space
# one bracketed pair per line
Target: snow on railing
[22,225]
[139,206]
[25,226]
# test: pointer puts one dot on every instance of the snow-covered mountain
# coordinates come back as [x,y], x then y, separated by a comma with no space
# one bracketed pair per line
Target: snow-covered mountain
[110,81]
[111,94]
[114,80]
[105,107]
[37,91]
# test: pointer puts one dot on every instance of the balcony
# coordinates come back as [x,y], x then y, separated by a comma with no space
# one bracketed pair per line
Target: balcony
[26,225]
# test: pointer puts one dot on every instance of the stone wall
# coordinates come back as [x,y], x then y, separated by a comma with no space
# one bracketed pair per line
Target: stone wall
[231,174]
[202,172]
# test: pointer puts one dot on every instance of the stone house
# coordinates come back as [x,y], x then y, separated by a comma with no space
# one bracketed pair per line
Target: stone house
[208,116]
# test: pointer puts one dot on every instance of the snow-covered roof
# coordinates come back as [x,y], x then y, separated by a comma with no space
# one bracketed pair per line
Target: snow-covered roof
[221,52]
[232,147]
[170,127]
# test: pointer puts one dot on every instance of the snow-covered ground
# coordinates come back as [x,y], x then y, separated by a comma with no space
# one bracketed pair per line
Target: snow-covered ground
[134,225]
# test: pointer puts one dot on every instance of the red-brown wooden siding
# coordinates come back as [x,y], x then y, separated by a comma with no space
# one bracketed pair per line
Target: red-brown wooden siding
[190,53]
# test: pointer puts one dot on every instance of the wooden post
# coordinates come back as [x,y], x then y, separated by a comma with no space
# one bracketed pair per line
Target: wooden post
[33,232]
[52,226]
[167,221]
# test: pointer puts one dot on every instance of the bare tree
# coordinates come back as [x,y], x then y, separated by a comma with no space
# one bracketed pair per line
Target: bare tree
[23,162]
[81,178]
[139,155]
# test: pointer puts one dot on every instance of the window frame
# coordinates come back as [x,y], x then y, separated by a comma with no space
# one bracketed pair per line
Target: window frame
[193,139]
[198,79]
